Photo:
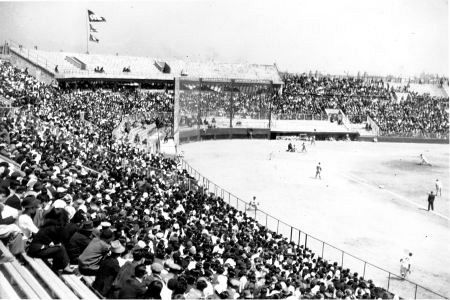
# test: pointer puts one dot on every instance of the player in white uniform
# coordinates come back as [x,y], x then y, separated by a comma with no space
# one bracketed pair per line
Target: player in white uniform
[438,188]
[424,161]
[405,265]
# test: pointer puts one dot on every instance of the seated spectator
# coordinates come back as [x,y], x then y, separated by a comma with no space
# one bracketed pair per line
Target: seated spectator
[154,290]
[47,244]
[136,285]
[109,268]
[25,221]
[10,233]
[90,258]
[126,271]
[79,241]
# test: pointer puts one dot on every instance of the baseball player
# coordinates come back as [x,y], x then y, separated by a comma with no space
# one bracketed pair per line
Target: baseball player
[405,266]
[318,171]
[304,148]
[424,161]
[438,185]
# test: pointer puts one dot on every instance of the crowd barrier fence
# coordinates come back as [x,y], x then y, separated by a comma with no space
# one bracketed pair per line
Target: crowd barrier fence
[388,280]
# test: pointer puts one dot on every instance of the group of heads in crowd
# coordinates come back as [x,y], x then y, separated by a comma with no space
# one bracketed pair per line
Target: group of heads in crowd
[309,95]
[139,223]
[302,95]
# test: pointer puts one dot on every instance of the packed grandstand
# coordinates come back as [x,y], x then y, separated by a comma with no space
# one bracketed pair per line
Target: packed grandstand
[90,203]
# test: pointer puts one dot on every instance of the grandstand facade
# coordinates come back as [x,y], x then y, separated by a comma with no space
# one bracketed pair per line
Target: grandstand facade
[66,67]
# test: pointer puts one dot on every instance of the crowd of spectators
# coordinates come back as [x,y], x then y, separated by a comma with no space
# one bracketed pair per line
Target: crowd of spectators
[135,223]
[220,104]
[359,98]
[308,97]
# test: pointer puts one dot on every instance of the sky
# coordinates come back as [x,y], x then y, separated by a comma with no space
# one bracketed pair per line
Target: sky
[380,37]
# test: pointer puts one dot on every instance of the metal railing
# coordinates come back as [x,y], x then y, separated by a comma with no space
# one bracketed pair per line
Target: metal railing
[382,278]
[34,57]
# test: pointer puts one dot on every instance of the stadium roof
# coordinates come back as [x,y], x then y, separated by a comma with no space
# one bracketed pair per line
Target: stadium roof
[82,66]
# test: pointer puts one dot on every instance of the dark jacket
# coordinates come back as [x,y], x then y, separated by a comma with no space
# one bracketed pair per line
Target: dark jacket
[48,233]
[133,289]
[431,198]
[78,242]
[125,272]
[68,231]
[109,268]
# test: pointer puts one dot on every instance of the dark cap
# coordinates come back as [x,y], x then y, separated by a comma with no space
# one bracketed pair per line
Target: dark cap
[30,202]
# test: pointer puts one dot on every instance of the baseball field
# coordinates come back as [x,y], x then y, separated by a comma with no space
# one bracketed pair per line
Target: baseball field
[371,201]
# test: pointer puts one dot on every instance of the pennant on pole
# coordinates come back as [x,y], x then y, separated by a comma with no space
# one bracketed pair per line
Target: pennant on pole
[92,29]
[93,39]
[95,18]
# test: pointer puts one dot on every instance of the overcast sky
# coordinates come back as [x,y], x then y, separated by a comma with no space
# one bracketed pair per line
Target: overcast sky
[399,37]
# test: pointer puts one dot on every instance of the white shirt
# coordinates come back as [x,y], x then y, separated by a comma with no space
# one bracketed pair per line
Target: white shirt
[26,225]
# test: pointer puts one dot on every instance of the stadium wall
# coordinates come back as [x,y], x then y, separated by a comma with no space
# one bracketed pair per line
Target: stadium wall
[194,135]
[33,69]
[392,139]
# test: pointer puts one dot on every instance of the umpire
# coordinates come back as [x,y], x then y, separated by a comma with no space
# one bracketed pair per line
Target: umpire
[431,197]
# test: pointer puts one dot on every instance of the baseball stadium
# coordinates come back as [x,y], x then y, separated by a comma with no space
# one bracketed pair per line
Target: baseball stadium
[127,176]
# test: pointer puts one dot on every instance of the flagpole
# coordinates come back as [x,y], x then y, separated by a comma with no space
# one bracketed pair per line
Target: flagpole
[87,32]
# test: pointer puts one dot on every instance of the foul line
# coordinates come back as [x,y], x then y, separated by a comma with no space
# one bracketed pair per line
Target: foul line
[352,177]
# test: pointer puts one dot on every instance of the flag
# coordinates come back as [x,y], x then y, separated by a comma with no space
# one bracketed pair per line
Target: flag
[92,29]
[95,18]
[93,39]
